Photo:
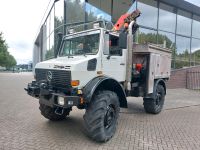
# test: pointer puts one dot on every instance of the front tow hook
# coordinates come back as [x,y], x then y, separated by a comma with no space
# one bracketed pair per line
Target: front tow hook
[59,111]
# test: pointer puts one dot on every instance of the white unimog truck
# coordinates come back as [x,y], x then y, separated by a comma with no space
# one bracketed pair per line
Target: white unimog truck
[96,69]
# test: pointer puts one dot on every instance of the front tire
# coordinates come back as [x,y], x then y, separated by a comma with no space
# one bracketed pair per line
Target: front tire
[155,105]
[101,116]
[50,114]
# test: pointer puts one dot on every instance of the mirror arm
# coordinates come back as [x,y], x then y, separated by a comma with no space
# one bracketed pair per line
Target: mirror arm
[60,36]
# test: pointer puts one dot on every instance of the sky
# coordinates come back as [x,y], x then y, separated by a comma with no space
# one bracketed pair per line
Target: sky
[19,22]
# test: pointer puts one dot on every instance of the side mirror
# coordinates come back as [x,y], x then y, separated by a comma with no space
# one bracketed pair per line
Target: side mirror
[106,45]
[123,40]
[59,37]
[134,28]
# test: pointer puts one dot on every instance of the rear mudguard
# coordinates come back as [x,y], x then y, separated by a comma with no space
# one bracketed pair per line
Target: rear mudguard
[156,83]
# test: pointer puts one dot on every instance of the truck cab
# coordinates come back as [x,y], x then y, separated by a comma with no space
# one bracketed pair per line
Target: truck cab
[89,53]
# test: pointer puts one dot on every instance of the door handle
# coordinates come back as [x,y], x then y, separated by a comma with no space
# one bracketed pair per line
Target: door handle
[122,64]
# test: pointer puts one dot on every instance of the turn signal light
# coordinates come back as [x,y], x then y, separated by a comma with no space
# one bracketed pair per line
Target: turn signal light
[74,82]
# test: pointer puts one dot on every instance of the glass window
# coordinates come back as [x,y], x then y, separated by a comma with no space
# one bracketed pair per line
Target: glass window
[167,18]
[46,33]
[51,21]
[50,36]
[50,48]
[182,51]
[81,45]
[196,26]
[184,23]
[94,13]
[146,36]
[195,52]
[149,14]
[166,39]
[47,27]
[120,7]
[114,45]
[106,7]
[59,11]
[44,41]
[58,22]
[132,8]
[75,11]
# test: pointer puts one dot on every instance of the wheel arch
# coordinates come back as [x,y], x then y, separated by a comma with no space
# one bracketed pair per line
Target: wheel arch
[104,83]
[160,82]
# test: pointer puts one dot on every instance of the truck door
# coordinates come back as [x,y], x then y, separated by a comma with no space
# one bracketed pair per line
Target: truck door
[113,58]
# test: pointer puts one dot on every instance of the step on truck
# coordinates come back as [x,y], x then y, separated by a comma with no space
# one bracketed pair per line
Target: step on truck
[96,69]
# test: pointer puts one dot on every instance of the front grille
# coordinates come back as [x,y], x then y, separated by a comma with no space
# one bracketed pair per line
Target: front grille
[58,79]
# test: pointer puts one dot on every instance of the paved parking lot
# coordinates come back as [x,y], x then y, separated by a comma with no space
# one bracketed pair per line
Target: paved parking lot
[22,126]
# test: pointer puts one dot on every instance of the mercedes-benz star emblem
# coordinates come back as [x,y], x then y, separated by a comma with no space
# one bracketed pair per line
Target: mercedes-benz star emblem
[49,76]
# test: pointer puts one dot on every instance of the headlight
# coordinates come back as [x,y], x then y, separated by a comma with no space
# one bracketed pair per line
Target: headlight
[61,101]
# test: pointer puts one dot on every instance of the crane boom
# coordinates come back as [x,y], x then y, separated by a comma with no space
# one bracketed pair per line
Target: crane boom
[125,19]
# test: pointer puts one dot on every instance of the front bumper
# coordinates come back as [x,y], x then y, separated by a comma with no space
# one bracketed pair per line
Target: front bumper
[49,97]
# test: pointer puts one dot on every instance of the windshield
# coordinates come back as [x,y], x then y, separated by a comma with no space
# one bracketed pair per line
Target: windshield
[81,45]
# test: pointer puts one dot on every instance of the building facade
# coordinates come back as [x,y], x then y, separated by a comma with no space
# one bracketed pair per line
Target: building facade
[173,23]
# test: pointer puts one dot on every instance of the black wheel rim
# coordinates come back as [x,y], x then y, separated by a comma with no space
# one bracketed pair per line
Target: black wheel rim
[109,116]
[158,98]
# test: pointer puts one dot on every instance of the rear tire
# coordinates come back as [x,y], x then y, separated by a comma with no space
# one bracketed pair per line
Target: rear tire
[101,116]
[50,114]
[155,105]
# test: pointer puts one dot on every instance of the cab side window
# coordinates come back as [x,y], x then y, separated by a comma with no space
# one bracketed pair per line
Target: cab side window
[114,46]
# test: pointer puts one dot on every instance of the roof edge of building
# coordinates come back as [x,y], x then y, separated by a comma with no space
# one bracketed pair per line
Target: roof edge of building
[183,5]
